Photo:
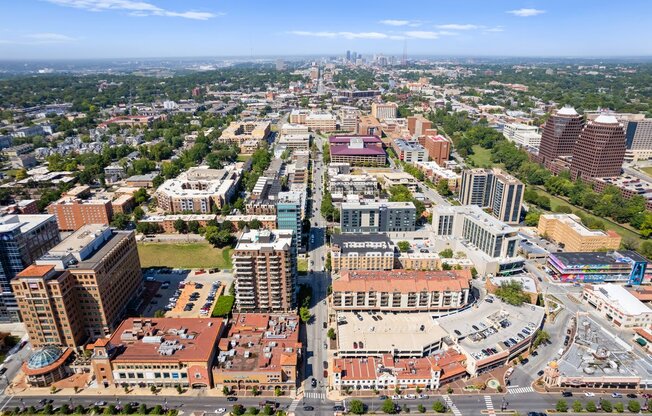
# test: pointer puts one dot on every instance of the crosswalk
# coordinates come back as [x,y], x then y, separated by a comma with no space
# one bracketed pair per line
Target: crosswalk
[519,390]
[293,405]
[490,405]
[451,405]
[314,395]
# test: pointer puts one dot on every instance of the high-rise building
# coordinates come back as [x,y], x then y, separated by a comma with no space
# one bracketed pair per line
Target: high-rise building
[507,197]
[495,189]
[23,238]
[560,133]
[87,280]
[384,110]
[419,125]
[438,148]
[638,133]
[289,211]
[476,187]
[600,149]
[265,271]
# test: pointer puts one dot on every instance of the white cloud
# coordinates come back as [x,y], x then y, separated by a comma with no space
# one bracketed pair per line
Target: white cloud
[526,12]
[455,26]
[400,22]
[133,7]
[49,38]
[495,29]
[422,34]
[344,35]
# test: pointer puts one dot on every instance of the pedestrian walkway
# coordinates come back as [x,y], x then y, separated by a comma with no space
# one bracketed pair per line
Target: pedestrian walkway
[519,390]
[490,405]
[293,405]
[451,405]
[4,402]
[314,395]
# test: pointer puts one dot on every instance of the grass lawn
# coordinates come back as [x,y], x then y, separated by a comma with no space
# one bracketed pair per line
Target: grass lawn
[481,157]
[184,255]
[647,170]
[302,265]
[609,225]
[243,157]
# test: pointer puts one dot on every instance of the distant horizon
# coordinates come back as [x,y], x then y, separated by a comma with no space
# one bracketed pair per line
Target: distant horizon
[138,29]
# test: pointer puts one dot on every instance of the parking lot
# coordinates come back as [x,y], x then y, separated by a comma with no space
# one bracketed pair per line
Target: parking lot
[186,293]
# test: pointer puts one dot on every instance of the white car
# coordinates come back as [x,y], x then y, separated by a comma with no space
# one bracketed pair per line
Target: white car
[589,394]
[220,410]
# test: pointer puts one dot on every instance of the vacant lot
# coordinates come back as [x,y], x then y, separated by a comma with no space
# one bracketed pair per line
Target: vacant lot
[647,170]
[184,256]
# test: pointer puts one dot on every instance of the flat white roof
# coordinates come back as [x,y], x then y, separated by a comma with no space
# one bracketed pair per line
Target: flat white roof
[625,301]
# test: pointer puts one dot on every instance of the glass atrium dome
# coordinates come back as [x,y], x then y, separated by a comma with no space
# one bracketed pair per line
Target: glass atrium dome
[44,357]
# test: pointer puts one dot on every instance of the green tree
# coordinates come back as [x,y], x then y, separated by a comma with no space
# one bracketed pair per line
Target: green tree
[238,410]
[634,406]
[304,314]
[267,410]
[120,221]
[439,406]
[421,408]
[388,407]
[443,189]
[356,407]
[562,406]
[540,337]
[532,218]
[226,391]
[577,406]
[591,407]
[512,292]
[331,333]
[446,253]
[619,407]
[181,226]
[141,196]
[606,405]
[404,246]
[139,213]
[255,391]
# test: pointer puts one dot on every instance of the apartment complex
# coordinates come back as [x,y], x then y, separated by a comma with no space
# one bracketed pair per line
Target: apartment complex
[198,190]
[436,174]
[479,229]
[362,252]
[560,134]
[239,133]
[87,280]
[522,134]
[260,351]
[382,111]
[495,189]
[618,305]
[438,148]
[348,119]
[23,239]
[324,122]
[419,125]
[357,150]
[377,217]
[409,152]
[344,184]
[600,149]
[298,116]
[401,290]
[568,231]
[73,213]
[160,352]
[292,129]
[265,271]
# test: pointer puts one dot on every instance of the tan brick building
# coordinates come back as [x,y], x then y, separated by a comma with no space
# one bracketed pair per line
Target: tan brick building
[568,230]
[362,252]
[98,275]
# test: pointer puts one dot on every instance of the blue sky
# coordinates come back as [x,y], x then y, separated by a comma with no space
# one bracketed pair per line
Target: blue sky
[72,29]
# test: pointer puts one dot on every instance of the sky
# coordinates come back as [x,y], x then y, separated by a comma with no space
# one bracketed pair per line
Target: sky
[78,29]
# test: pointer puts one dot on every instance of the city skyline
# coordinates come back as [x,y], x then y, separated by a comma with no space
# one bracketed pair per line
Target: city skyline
[92,29]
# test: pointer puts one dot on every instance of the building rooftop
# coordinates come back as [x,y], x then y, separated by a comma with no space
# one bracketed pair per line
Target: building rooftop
[403,281]
[260,342]
[377,205]
[362,244]
[24,222]
[400,332]
[278,240]
[529,285]
[567,111]
[166,339]
[575,223]
[476,214]
[620,298]
[582,259]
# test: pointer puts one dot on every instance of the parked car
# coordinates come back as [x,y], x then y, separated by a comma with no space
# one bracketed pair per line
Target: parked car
[589,394]
[313,382]
[567,394]
[232,399]
[616,395]
[308,408]
[99,403]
